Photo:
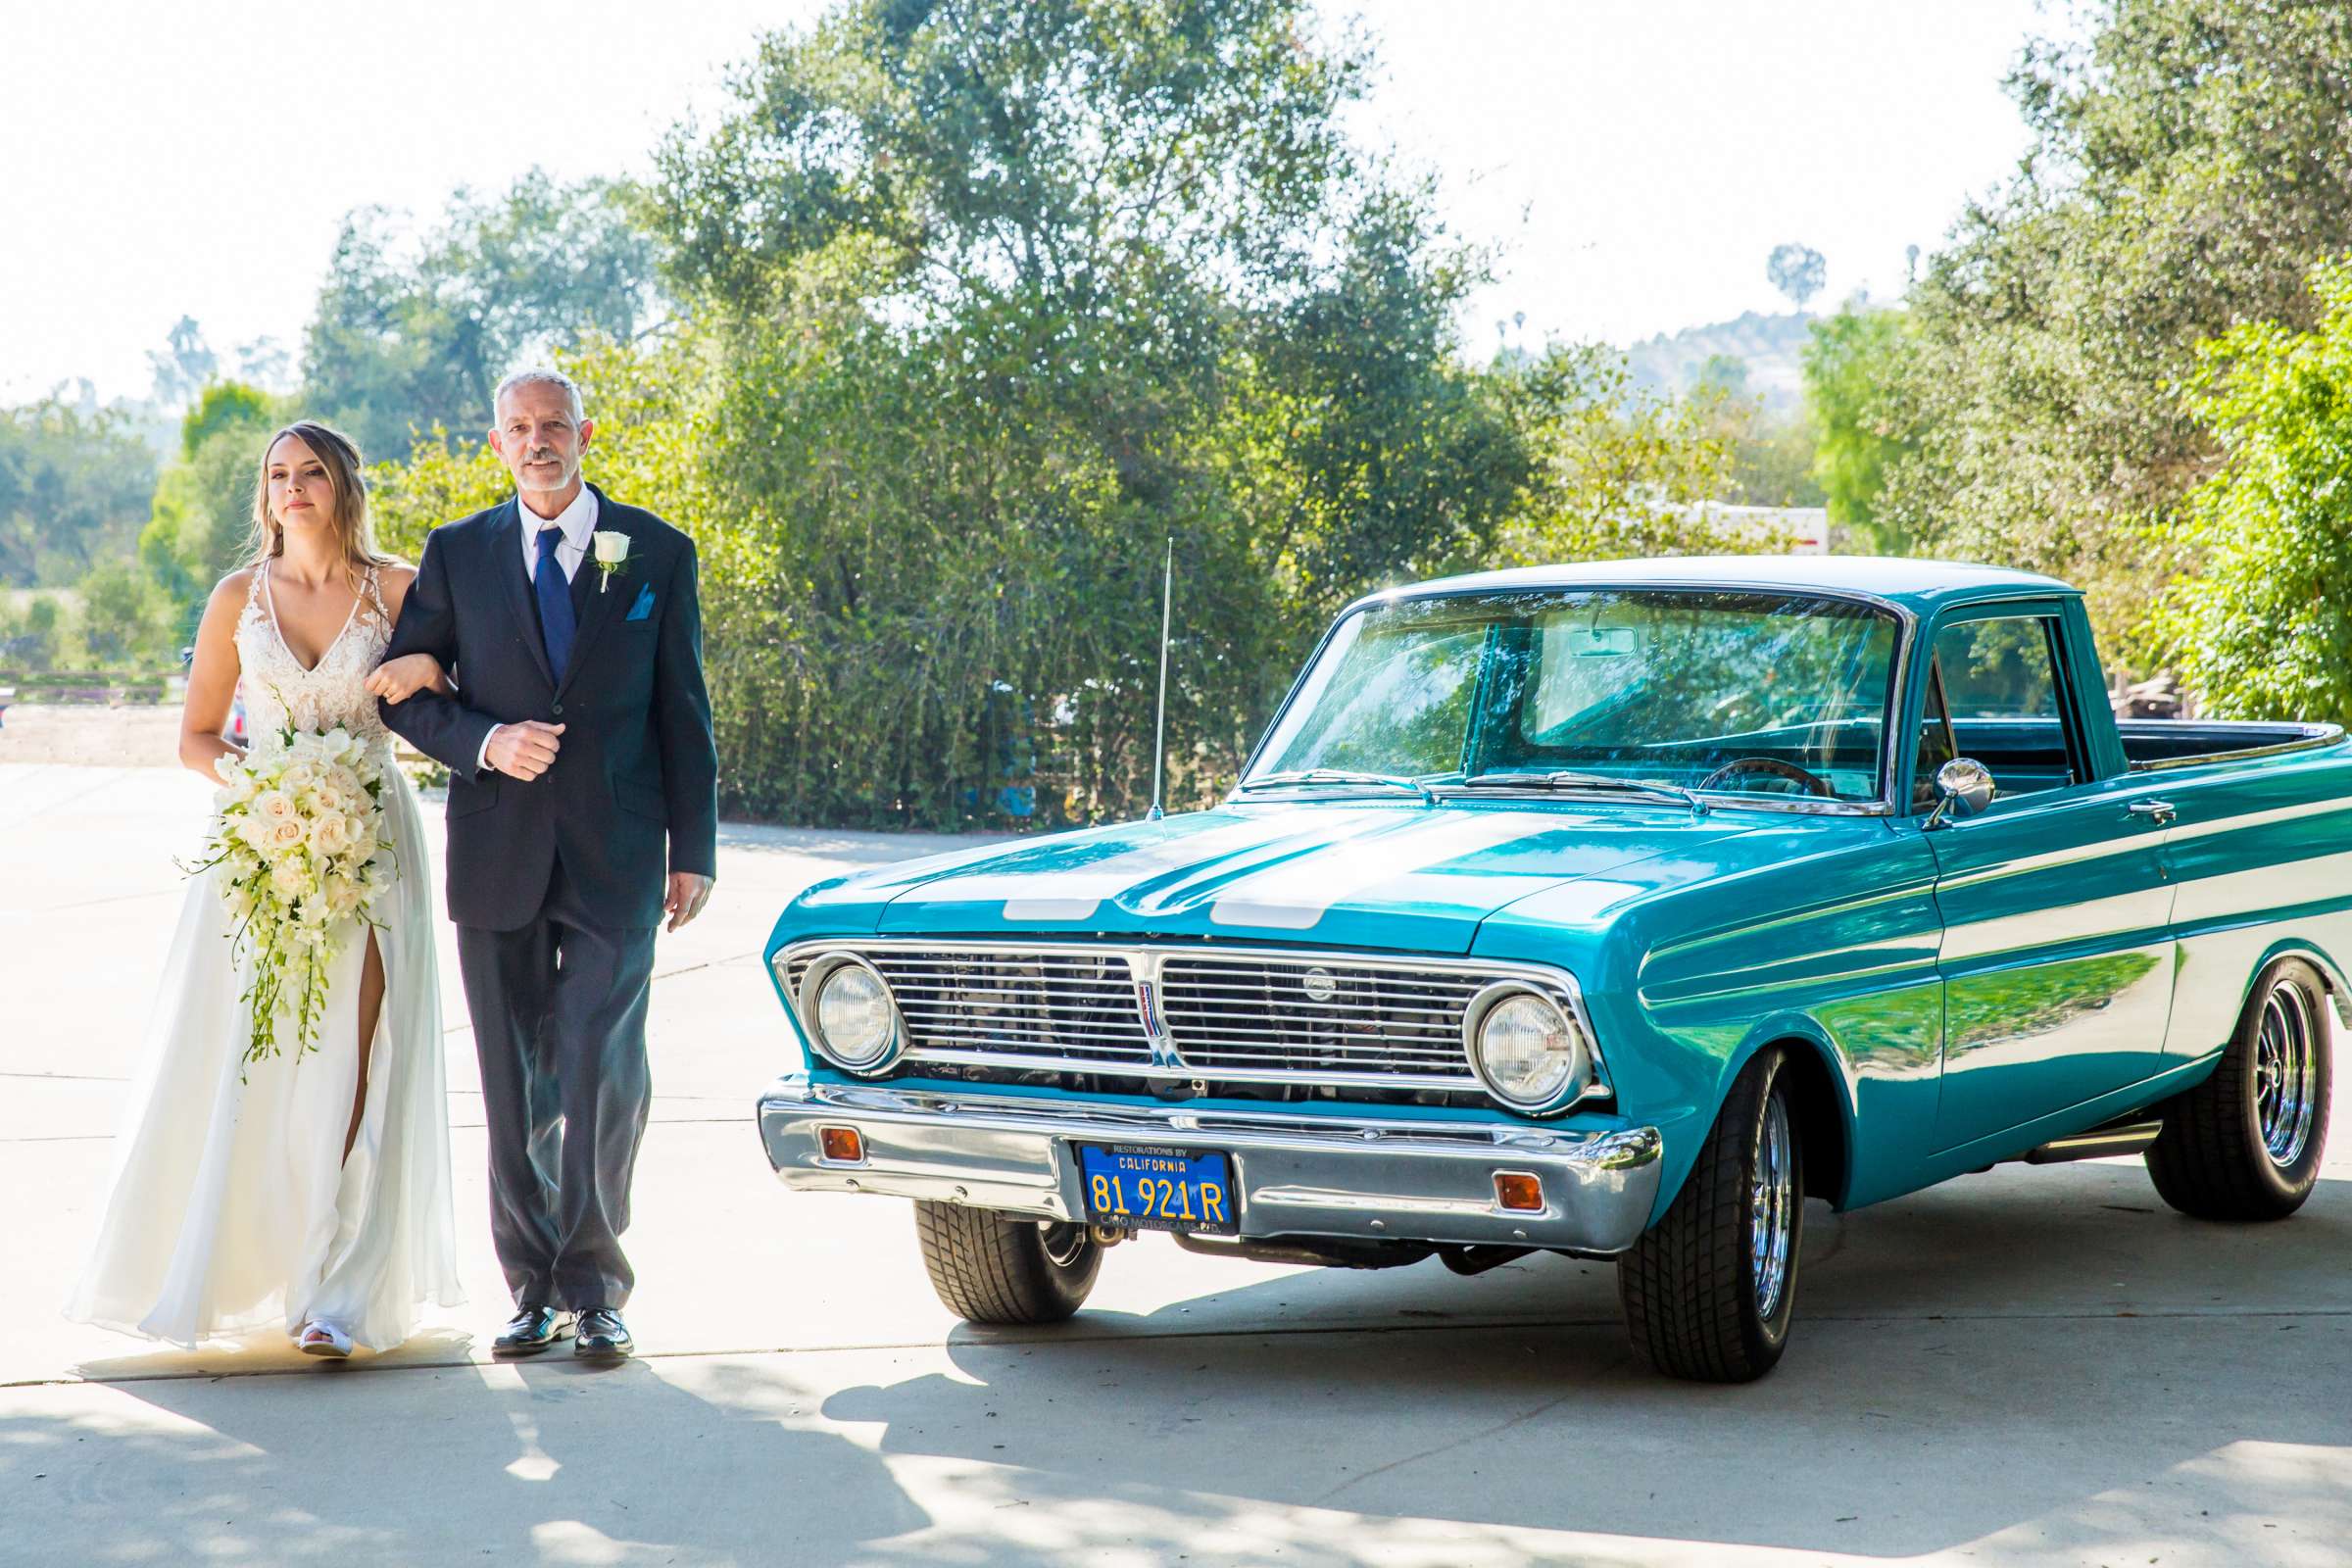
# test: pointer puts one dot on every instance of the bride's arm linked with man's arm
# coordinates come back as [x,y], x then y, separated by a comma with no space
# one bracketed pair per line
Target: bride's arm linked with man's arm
[434,718]
[397,679]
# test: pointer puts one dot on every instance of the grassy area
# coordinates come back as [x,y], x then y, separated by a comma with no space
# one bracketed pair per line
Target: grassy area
[113,688]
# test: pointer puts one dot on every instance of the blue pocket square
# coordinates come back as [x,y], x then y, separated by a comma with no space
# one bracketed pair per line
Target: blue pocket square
[644,606]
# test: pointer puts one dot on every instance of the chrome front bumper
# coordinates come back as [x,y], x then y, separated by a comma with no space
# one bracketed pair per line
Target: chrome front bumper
[1366,1177]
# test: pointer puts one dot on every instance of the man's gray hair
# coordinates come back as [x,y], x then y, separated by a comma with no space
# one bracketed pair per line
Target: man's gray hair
[571,390]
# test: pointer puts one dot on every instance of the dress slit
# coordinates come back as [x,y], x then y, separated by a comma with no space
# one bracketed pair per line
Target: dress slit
[365,1032]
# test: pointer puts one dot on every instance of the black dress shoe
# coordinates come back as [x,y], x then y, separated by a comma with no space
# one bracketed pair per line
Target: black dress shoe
[530,1329]
[603,1337]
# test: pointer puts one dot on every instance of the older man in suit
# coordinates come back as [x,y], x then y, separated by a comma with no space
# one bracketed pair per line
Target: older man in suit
[582,810]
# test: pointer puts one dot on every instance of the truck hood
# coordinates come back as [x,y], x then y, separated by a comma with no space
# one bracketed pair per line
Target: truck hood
[1400,876]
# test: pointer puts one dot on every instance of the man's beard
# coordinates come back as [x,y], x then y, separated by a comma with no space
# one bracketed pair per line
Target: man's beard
[525,479]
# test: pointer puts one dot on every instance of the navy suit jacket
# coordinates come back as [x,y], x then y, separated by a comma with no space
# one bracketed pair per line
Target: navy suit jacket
[635,768]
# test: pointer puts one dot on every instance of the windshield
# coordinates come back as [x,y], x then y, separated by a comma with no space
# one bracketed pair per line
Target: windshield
[1762,693]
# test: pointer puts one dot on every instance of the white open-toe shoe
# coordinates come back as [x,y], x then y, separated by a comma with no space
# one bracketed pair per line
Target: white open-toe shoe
[324,1338]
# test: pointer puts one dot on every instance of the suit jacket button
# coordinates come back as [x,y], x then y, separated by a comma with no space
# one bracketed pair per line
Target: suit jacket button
[558,708]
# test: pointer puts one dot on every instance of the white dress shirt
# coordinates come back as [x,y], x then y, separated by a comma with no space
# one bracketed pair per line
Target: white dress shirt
[578,522]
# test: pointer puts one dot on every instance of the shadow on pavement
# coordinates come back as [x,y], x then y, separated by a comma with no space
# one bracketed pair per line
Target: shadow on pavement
[2028,1365]
[543,1460]
[1962,1370]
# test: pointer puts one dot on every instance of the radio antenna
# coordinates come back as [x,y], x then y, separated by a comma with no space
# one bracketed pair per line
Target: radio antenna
[1159,738]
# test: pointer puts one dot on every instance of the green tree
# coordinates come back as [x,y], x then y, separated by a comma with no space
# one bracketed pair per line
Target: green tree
[2264,629]
[1001,295]
[200,522]
[184,366]
[1772,460]
[1771,450]
[2186,169]
[1796,271]
[73,488]
[1854,366]
[28,625]
[1617,473]
[127,618]
[408,336]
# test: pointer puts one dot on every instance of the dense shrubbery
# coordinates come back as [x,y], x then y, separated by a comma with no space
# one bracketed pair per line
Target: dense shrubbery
[2186,172]
[2265,630]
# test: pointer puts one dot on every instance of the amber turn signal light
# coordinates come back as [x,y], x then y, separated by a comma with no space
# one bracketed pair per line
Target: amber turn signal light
[842,1144]
[1517,1191]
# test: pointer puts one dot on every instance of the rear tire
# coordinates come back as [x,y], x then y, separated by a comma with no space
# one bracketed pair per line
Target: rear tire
[2245,1143]
[1709,1291]
[990,1267]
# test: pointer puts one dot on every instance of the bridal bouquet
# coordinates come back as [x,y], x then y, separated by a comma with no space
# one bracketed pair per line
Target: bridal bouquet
[300,848]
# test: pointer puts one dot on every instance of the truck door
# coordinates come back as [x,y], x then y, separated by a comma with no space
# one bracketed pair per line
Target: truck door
[2056,954]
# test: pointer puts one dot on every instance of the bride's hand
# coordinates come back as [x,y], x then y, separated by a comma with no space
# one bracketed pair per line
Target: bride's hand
[396,680]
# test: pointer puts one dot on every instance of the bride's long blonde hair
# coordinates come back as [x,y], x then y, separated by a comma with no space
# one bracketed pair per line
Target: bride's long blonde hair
[349,515]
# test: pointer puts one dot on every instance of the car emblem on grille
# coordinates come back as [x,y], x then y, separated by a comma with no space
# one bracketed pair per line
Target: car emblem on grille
[1319,985]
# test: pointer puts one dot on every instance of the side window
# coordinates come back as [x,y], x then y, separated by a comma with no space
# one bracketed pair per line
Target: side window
[1935,744]
[1999,684]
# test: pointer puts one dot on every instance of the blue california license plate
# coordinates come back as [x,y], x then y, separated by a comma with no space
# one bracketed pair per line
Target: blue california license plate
[1152,1189]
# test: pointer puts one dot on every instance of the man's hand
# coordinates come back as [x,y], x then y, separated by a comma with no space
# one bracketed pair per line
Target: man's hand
[523,750]
[688,893]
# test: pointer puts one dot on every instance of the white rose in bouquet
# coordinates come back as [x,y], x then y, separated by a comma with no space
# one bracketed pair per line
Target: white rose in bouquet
[330,834]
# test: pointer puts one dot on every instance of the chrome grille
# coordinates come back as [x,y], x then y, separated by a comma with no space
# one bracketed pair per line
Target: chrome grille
[1331,1020]
[1076,1006]
[1259,1013]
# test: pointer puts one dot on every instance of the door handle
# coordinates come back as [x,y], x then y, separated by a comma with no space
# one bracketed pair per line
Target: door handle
[2160,813]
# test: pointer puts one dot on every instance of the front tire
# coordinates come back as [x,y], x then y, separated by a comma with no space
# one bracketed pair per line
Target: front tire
[990,1267]
[1709,1291]
[2245,1143]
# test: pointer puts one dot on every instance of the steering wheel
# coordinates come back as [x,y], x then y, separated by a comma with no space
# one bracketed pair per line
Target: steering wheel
[1814,783]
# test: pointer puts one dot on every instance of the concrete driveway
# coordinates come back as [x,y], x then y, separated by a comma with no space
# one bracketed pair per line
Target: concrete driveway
[2024,1366]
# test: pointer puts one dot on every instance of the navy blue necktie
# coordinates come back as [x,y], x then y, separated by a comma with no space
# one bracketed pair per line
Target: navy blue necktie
[556,620]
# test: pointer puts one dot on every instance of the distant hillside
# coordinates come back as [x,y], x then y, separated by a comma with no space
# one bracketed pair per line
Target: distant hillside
[1770,346]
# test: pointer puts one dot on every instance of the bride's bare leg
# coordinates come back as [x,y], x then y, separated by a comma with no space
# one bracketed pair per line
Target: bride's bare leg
[372,1005]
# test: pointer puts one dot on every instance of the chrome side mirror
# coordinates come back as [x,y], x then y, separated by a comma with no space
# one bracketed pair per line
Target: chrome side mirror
[1962,788]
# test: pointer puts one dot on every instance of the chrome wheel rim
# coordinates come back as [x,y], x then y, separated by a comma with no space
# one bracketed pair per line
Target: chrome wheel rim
[1064,1244]
[2287,1070]
[1771,1210]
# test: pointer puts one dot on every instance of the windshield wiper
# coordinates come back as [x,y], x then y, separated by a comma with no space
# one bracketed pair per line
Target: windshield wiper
[1565,780]
[1339,775]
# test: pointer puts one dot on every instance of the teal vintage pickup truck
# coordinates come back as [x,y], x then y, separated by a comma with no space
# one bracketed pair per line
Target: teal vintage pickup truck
[1609,910]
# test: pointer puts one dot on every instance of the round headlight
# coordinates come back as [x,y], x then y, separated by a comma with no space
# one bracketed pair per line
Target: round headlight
[852,1015]
[1527,1049]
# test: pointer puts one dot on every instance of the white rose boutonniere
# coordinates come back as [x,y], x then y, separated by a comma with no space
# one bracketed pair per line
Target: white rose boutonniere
[612,556]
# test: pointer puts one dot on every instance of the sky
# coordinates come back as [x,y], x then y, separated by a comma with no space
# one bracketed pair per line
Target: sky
[1628,163]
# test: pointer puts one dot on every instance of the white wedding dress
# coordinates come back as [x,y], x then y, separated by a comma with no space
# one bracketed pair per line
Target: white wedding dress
[231,1205]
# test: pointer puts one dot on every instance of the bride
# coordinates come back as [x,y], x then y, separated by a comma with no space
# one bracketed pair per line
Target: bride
[305,1188]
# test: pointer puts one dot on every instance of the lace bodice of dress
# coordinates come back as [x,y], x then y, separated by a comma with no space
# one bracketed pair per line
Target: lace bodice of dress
[278,688]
